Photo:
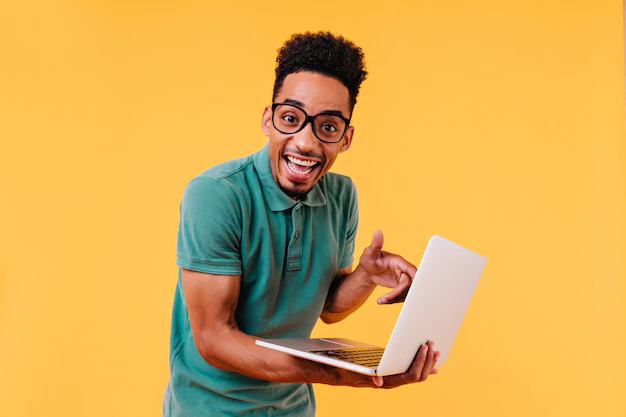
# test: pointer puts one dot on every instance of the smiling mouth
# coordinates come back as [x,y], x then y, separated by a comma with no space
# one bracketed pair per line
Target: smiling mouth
[300,166]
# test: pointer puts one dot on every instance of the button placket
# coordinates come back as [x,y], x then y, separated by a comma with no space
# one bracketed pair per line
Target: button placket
[294,253]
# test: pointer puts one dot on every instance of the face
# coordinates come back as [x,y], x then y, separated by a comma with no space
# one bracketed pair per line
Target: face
[299,160]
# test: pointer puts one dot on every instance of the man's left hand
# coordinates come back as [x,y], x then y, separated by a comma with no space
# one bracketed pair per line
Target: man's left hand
[387,269]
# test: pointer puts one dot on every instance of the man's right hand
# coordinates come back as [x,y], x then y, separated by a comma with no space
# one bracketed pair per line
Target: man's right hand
[423,365]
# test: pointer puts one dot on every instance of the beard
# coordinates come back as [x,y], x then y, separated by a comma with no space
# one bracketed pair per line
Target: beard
[294,193]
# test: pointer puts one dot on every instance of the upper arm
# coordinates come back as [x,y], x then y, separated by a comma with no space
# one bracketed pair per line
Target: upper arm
[211,303]
[326,316]
[209,231]
[339,277]
[208,252]
[351,219]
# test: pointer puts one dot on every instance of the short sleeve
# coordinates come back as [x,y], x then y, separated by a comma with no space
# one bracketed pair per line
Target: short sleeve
[209,231]
[353,221]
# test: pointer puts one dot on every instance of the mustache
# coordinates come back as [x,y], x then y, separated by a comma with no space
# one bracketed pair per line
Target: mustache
[309,154]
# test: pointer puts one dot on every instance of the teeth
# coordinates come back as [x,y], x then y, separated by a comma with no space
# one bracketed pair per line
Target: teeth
[291,167]
[301,162]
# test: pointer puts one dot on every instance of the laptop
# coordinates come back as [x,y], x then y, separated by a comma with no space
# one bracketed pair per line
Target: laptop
[433,311]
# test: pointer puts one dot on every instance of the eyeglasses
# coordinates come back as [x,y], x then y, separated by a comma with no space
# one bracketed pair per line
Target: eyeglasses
[328,126]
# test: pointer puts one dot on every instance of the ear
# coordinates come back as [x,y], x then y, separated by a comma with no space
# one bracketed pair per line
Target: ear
[347,139]
[266,120]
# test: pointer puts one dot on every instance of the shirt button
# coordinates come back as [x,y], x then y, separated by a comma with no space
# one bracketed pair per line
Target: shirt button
[296,234]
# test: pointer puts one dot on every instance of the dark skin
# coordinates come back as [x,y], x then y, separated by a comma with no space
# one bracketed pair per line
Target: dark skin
[212,299]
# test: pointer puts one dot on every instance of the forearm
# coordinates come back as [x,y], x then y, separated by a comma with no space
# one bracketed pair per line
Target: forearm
[221,343]
[237,352]
[347,294]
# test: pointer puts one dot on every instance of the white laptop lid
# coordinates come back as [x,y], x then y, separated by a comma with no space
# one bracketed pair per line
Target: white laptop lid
[435,304]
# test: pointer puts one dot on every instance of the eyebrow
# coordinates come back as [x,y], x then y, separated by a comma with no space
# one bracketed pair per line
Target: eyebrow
[295,102]
[301,104]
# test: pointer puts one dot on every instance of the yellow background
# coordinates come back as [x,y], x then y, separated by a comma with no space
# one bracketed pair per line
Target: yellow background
[499,125]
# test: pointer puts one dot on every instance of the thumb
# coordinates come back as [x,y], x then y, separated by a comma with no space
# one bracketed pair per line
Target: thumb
[377,241]
[378,380]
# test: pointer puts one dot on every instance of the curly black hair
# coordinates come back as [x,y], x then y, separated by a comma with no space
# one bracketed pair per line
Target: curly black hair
[324,53]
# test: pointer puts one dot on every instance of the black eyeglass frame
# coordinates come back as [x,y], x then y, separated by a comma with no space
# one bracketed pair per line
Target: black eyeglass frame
[310,119]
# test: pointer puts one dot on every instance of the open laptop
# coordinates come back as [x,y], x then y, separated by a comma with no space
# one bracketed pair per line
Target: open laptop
[433,311]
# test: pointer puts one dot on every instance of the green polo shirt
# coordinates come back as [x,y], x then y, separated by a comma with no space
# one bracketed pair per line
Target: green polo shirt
[235,220]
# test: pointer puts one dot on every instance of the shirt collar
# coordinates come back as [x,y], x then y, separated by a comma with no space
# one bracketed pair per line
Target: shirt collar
[276,198]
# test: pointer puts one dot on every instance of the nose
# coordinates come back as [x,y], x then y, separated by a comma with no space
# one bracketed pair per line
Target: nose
[305,139]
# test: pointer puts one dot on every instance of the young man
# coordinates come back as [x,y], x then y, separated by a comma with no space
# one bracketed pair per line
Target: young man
[265,247]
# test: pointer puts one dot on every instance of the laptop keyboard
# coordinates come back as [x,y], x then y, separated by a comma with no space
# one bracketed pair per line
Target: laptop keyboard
[360,356]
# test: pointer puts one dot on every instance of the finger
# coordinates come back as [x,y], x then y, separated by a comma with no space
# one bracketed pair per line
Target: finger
[430,360]
[418,363]
[377,241]
[404,266]
[413,374]
[378,380]
[435,371]
[399,292]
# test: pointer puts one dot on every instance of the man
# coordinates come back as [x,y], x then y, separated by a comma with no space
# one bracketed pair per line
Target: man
[265,247]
